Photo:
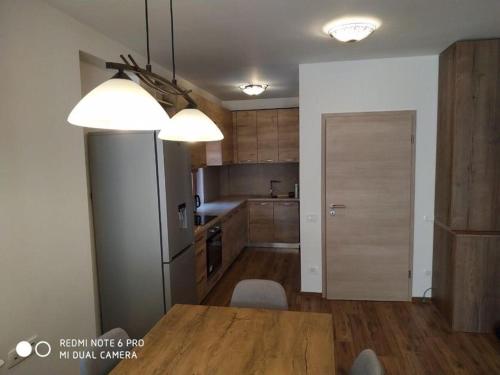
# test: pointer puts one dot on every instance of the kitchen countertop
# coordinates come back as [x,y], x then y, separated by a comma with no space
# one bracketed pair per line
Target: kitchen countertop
[225,205]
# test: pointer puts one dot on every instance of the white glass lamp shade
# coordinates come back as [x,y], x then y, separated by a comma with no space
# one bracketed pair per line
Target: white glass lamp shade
[119,104]
[190,125]
[351,29]
[253,90]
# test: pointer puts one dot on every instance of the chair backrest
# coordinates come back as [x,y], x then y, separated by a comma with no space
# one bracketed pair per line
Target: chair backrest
[265,294]
[367,363]
[103,366]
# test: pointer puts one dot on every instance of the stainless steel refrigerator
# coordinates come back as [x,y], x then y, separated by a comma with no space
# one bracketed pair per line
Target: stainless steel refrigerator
[142,210]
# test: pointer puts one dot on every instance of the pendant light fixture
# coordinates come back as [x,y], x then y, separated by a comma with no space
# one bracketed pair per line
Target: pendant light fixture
[119,104]
[122,104]
[189,124]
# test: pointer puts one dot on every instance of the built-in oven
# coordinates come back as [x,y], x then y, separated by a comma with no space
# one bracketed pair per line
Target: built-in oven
[214,249]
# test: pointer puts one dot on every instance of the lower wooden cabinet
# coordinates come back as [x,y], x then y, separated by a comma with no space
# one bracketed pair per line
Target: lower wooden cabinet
[466,278]
[234,235]
[261,222]
[273,222]
[201,266]
[286,222]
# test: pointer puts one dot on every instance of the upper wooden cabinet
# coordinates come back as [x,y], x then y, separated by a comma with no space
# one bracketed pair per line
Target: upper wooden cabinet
[210,153]
[221,152]
[246,136]
[468,143]
[288,134]
[267,136]
[198,155]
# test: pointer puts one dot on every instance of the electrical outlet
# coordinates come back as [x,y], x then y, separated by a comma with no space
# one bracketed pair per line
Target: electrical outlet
[314,270]
[13,358]
[312,218]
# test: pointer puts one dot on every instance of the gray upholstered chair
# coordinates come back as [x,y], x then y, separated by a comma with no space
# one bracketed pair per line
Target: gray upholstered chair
[265,294]
[367,363]
[103,366]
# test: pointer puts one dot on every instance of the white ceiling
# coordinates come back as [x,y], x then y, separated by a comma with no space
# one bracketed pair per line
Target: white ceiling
[223,43]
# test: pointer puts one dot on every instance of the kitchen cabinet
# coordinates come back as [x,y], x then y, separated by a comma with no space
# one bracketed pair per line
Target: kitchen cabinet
[234,235]
[261,222]
[246,136]
[288,134]
[201,266]
[221,152]
[286,222]
[267,136]
[273,222]
[198,155]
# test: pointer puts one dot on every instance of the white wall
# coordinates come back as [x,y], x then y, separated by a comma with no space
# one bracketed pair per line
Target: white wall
[46,280]
[360,86]
[271,103]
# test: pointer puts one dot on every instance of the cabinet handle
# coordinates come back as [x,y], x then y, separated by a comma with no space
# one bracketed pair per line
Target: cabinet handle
[264,204]
[269,160]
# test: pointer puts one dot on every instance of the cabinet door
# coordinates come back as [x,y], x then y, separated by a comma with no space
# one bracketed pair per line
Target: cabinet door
[288,135]
[241,229]
[221,152]
[227,142]
[198,155]
[261,225]
[286,222]
[267,136]
[201,267]
[475,155]
[227,241]
[246,136]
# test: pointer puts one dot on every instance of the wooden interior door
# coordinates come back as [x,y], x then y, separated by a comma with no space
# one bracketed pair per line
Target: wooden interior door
[368,174]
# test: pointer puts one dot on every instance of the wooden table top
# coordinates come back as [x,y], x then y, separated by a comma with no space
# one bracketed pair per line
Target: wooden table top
[225,340]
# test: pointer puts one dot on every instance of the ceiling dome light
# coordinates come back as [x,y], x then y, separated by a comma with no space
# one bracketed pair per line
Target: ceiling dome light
[119,104]
[190,125]
[253,90]
[351,30]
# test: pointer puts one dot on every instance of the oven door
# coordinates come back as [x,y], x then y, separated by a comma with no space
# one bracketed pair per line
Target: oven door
[214,250]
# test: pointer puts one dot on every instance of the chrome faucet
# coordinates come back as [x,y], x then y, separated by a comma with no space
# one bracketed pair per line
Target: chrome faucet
[271,187]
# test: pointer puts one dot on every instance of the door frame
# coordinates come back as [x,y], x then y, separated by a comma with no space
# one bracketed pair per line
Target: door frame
[324,118]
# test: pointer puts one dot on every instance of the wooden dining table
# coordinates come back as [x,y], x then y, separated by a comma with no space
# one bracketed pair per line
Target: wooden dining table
[204,340]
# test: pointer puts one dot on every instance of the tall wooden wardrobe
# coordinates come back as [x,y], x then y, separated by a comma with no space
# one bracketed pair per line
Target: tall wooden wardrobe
[466,269]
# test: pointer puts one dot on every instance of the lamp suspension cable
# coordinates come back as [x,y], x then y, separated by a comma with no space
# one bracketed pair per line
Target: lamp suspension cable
[148,66]
[174,81]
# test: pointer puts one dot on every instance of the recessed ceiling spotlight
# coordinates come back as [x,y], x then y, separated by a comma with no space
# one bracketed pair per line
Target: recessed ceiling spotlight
[351,29]
[252,89]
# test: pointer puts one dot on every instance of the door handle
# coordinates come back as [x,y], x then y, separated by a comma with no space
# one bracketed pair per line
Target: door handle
[337,205]
[333,207]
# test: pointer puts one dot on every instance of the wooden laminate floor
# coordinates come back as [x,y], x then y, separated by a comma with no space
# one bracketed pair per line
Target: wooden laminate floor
[410,338]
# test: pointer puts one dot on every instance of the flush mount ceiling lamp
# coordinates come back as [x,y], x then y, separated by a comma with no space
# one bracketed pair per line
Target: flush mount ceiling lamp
[350,30]
[122,104]
[253,90]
